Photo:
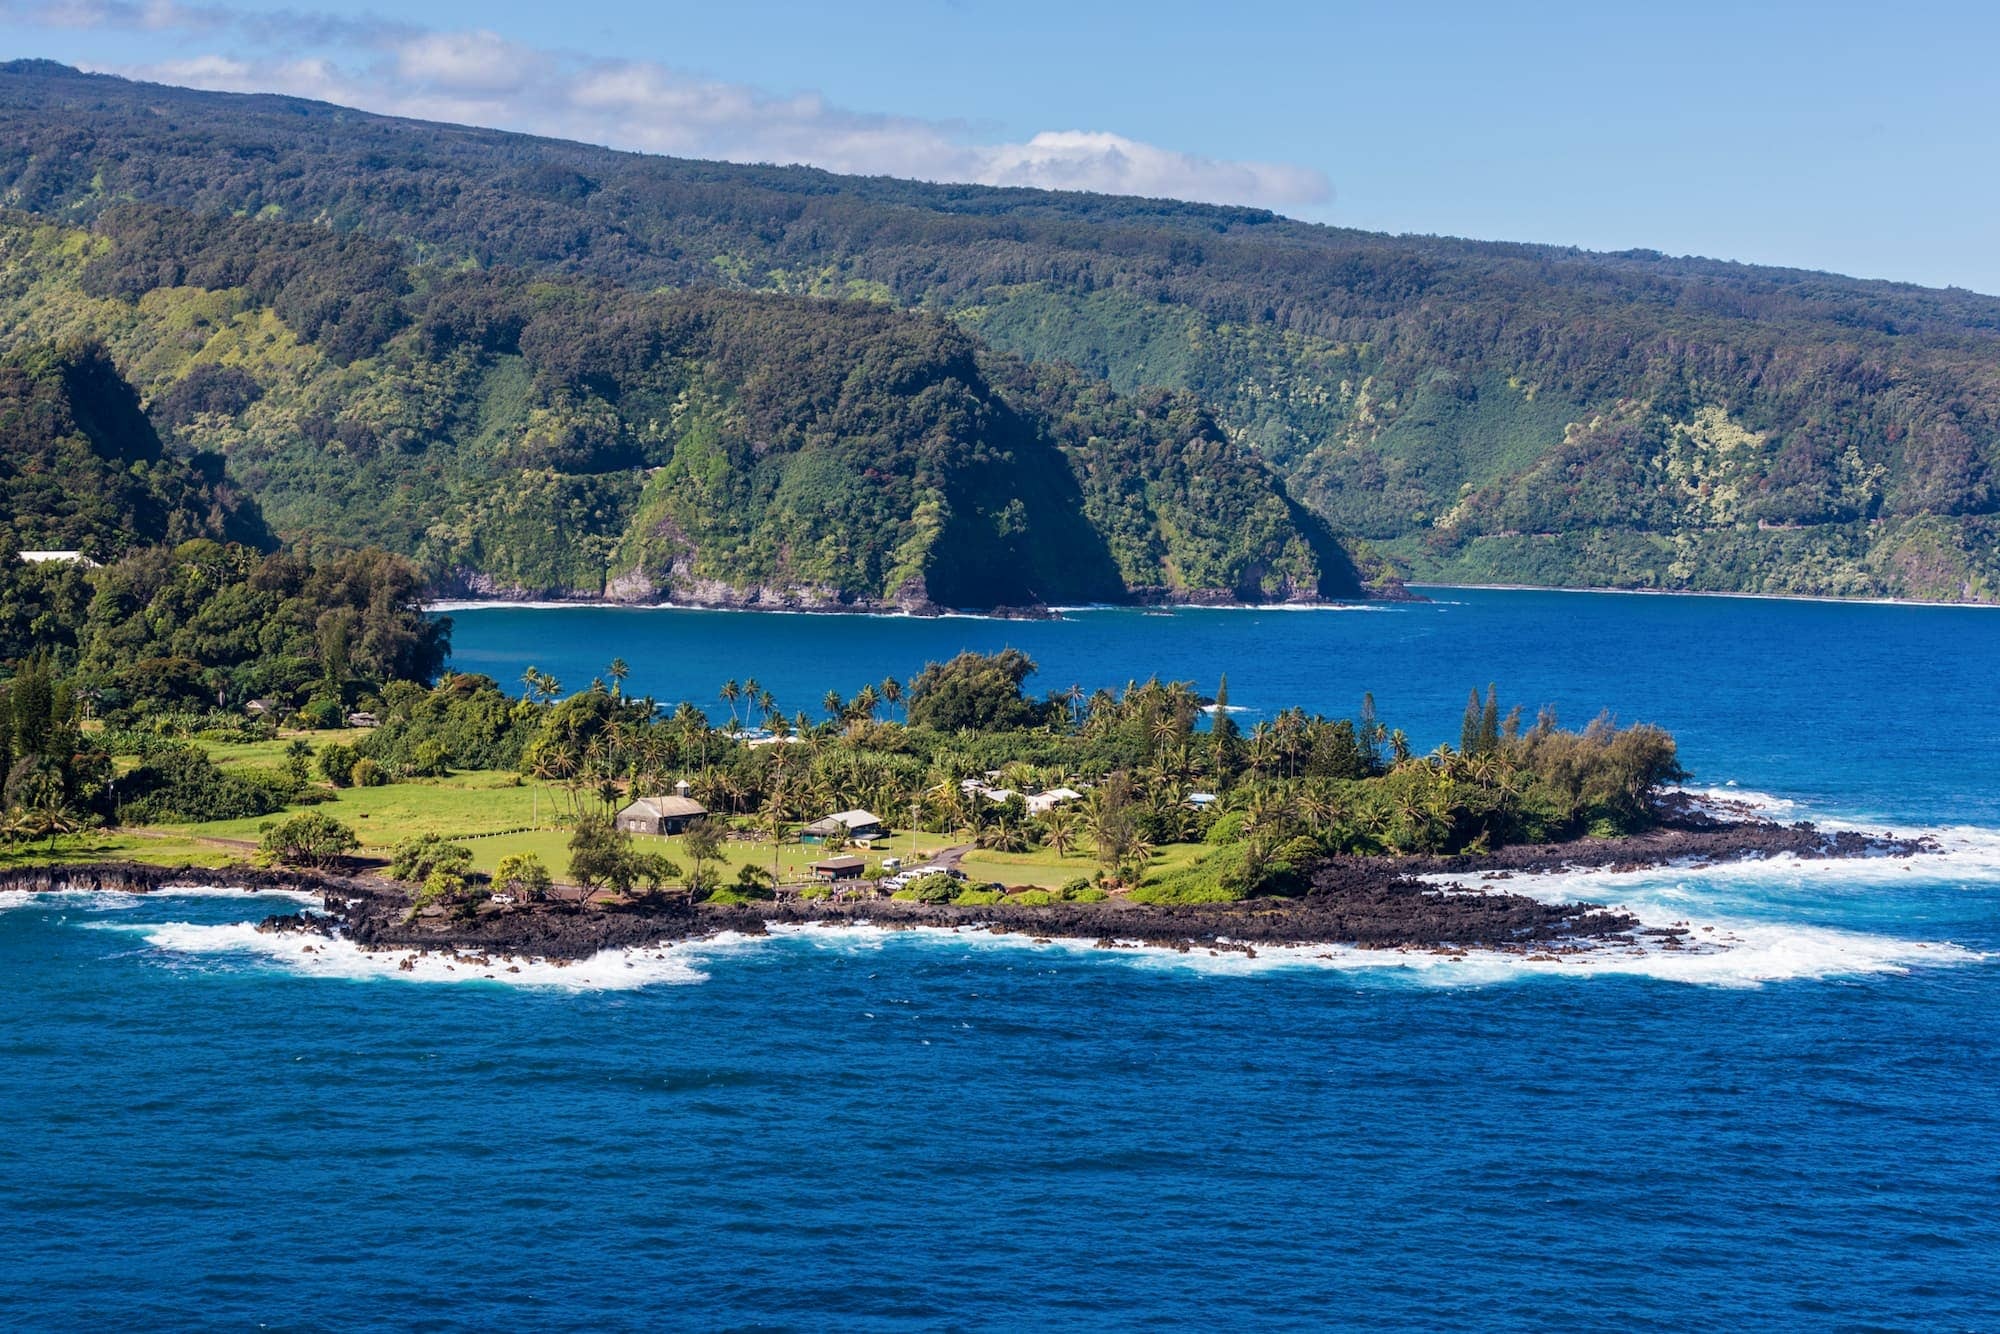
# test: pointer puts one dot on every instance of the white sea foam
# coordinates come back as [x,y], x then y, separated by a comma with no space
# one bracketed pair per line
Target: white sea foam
[307,896]
[1737,955]
[1728,940]
[115,900]
[81,900]
[320,956]
[1730,799]
[1743,955]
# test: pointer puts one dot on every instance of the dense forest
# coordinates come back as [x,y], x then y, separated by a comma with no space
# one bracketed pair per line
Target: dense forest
[1476,410]
[521,436]
[83,470]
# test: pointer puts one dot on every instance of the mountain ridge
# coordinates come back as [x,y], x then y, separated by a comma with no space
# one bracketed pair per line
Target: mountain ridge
[1479,411]
[528,438]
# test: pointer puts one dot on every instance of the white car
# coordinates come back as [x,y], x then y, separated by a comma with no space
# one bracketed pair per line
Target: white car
[904,879]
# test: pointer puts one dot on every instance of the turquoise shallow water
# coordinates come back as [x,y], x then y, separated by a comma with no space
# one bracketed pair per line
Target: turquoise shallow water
[839,1129]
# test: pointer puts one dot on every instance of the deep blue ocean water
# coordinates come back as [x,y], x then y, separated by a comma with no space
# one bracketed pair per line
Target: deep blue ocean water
[1798,1129]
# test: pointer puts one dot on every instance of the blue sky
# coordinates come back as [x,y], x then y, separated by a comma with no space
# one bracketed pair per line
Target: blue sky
[1862,139]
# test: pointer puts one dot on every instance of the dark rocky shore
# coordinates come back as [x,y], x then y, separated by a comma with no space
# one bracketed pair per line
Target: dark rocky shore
[1369,902]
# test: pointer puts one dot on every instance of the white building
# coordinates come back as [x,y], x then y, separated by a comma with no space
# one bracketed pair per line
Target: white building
[1044,802]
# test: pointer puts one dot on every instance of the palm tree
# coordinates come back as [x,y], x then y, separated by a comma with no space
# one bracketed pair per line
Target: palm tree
[1138,856]
[618,671]
[731,692]
[1266,806]
[776,823]
[1321,809]
[51,818]
[564,763]
[947,799]
[865,703]
[1262,745]
[891,691]
[1074,697]
[538,771]
[1061,823]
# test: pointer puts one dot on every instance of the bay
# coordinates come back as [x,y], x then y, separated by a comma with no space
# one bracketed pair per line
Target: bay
[849,1129]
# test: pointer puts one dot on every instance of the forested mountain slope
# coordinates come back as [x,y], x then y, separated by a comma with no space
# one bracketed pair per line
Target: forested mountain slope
[1484,411]
[81,468]
[520,436]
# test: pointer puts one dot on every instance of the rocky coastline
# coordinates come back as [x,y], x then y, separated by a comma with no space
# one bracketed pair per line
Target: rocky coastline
[634,590]
[1439,904]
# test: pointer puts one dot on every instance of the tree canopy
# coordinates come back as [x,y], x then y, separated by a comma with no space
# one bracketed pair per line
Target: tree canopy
[1477,410]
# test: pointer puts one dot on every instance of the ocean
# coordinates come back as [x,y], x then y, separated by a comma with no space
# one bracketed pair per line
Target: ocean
[826,1129]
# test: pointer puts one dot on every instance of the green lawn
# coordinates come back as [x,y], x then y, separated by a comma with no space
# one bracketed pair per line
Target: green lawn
[552,846]
[268,754]
[102,846]
[465,804]
[1044,868]
[499,814]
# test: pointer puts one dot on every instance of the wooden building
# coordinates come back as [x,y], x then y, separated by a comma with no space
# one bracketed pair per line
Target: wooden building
[837,868]
[660,815]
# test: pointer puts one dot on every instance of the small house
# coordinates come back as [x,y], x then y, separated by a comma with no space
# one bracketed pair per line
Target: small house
[660,815]
[1201,801]
[831,869]
[363,719]
[1044,802]
[58,558]
[855,824]
[973,787]
[257,708]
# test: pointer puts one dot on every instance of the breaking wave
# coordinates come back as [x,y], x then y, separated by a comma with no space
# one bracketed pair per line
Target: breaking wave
[1742,955]
[333,957]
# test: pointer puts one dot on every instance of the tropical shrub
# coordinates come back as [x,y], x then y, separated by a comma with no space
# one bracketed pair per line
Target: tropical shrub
[313,839]
[522,875]
[416,857]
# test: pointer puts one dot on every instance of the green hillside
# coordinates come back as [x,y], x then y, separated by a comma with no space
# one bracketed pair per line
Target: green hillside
[1478,410]
[81,468]
[525,437]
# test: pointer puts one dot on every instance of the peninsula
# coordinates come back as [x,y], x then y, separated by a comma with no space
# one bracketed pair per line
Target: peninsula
[559,823]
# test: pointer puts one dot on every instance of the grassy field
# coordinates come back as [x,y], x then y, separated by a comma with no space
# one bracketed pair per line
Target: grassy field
[269,754]
[499,814]
[120,846]
[462,805]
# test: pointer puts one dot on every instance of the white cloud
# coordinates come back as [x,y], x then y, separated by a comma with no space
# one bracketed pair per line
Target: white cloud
[480,77]
[1096,160]
[479,62]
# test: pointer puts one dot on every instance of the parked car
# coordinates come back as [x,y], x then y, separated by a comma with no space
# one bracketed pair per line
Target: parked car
[904,879]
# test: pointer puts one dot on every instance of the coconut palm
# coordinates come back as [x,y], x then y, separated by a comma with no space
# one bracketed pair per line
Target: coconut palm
[1061,825]
[947,799]
[50,820]
[866,701]
[1137,857]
